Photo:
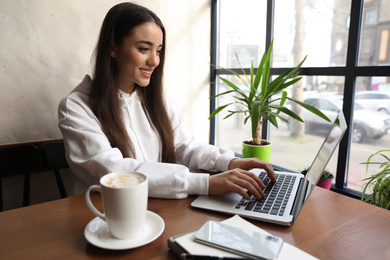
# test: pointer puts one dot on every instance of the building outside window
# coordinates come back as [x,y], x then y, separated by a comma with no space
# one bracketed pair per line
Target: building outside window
[370,17]
[317,29]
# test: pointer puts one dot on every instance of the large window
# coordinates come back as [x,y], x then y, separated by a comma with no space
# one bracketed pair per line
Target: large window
[347,67]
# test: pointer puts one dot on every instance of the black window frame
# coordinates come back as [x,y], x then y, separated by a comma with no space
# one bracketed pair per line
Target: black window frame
[351,71]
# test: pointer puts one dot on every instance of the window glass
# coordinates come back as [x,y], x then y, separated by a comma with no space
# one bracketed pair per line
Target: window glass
[241,31]
[371,119]
[231,132]
[374,41]
[295,145]
[322,34]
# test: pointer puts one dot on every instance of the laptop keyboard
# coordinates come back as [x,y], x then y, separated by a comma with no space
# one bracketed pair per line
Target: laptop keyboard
[275,198]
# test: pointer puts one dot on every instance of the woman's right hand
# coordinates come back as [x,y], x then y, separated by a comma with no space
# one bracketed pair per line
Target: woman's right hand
[236,180]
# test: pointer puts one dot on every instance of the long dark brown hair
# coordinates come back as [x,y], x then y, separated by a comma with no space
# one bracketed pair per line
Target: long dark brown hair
[104,100]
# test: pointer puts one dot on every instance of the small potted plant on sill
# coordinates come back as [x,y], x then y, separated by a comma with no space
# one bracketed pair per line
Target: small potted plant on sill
[379,183]
[325,180]
[264,101]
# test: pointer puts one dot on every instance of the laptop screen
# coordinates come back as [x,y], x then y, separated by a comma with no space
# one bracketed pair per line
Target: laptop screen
[325,153]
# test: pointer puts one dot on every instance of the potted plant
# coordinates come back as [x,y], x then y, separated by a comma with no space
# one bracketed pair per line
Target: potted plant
[325,180]
[378,183]
[263,99]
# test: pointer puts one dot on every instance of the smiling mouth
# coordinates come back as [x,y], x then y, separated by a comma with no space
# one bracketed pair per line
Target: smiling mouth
[146,73]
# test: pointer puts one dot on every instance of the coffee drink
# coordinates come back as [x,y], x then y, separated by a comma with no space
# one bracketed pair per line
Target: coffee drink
[122,180]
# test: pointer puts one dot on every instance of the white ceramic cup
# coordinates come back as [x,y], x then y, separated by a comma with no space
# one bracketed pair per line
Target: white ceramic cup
[125,199]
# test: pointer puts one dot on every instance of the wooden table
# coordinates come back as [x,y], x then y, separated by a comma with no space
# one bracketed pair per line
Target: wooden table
[331,226]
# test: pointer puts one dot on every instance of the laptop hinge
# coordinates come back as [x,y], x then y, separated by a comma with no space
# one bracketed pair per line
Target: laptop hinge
[299,198]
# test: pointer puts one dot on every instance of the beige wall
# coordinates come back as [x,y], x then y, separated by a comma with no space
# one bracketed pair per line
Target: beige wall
[46,48]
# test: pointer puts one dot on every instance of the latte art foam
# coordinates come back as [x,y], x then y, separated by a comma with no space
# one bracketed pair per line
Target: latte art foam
[123,180]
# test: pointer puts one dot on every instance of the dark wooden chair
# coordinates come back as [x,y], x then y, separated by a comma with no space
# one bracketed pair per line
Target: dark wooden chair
[54,156]
[15,160]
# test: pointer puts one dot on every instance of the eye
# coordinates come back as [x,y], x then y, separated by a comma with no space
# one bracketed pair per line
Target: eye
[143,49]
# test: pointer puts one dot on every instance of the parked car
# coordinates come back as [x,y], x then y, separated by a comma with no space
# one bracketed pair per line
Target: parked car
[376,100]
[367,124]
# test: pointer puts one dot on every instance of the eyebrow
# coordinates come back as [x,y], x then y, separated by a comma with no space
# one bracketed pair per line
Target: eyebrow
[148,43]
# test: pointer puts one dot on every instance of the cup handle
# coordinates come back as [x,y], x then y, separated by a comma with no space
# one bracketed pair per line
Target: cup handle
[89,202]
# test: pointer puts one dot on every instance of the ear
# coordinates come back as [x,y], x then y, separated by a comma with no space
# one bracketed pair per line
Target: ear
[113,52]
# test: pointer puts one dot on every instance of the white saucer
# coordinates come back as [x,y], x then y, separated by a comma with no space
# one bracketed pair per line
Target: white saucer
[98,234]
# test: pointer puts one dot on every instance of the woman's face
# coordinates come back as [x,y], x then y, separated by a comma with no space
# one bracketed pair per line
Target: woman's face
[138,55]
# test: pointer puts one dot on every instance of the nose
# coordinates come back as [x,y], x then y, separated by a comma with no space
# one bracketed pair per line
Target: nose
[154,59]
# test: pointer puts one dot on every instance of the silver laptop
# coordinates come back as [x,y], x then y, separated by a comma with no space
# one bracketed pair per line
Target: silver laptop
[284,200]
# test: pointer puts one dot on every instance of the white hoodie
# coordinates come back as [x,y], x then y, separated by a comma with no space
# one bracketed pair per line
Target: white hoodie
[90,155]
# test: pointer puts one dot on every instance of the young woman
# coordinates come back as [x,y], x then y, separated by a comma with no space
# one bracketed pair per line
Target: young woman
[118,120]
